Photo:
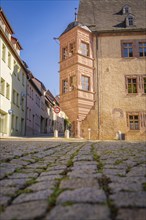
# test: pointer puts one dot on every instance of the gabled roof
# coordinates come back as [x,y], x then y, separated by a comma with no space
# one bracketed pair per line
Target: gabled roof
[108,15]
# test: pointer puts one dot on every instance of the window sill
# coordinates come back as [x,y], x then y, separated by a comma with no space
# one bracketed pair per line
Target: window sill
[132,94]
[128,57]
[134,131]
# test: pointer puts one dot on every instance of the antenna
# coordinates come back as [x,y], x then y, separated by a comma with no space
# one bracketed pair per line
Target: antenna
[76,14]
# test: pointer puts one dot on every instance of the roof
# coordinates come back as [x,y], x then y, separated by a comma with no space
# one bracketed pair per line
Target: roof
[15,40]
[74,24]
[108,15]
[5,20]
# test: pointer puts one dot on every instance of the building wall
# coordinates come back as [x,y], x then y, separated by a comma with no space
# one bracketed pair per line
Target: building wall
[33,110]
[113,103]
[5,95]
[18,100]
[76,102]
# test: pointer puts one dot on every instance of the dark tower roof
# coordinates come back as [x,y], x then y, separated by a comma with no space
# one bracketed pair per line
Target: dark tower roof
[109,15]
[74,24]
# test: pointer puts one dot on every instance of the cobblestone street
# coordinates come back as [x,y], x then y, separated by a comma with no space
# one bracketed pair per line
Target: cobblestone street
[54,180]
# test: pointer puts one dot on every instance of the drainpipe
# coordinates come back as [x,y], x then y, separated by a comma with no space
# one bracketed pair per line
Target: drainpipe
[98,89]
[26,107]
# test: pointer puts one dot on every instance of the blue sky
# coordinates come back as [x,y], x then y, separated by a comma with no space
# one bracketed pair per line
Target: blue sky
[36,23]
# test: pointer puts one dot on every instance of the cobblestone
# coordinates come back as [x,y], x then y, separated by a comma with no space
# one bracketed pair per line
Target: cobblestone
[50,180]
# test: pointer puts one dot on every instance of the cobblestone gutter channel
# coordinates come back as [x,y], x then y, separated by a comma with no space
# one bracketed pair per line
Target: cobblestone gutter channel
[73,181]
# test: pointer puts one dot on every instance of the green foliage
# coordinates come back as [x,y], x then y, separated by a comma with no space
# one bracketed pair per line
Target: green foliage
[53,197]
[144,186]
[67,124]
[118,161]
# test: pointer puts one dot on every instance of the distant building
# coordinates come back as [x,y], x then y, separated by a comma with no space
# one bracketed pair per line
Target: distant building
[103,70]
[12,82]
[26,106]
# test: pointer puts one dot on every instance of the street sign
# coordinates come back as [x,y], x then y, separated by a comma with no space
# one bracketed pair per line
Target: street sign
[56,109]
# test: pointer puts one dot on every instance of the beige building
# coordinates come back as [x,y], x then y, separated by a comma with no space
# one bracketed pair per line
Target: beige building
[13,82]
[103,70]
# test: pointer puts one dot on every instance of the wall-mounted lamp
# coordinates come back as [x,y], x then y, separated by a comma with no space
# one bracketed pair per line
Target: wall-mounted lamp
[10,111]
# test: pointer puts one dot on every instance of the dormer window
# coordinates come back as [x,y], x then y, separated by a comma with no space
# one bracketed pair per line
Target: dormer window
[130,20]
[126,9]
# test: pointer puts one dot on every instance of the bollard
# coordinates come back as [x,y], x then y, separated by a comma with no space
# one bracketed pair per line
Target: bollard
[89,130]
[66,133]
[55,133]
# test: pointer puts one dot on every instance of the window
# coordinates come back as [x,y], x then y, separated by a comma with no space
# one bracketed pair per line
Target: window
[133,48]
[23,79]
[3,123]
[132,85]
[84,47]
[65,86]
[15,68]
[14,96]
[2,87]
[128,49]
[134,122]
[7,91]
[32,94]
[64,53]
[9,60]
[144,85]
[126,9]
[4,52]
[72,82]
[16,123]
[85,82]
[29,114]
[71,49]
[142,49]
[22,104]
[130,21]
[18,72]
[17,99]
[13,122]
